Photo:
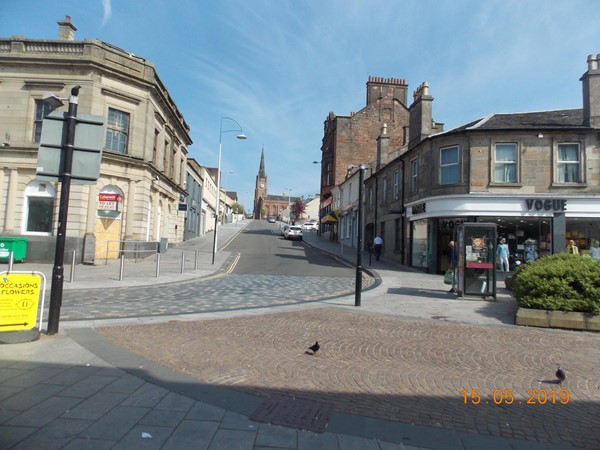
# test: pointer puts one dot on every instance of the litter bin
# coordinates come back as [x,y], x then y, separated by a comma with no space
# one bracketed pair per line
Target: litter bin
[16,245]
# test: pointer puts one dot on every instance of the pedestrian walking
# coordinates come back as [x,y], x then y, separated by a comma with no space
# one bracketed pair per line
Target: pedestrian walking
[377,246]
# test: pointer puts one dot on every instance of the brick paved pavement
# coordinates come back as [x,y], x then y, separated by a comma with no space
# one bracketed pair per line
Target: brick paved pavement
[410,371]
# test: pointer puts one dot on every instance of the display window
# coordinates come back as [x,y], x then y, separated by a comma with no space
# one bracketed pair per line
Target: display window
[420,244]
[583,237]
[527,239]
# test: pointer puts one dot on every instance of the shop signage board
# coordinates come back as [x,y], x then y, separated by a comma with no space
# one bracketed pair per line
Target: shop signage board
[20,294]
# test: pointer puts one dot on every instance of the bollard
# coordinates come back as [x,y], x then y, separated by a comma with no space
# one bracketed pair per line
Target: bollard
[157,264]
[121,267]
[182,261]
[196,260]
[72,268]
[11,260]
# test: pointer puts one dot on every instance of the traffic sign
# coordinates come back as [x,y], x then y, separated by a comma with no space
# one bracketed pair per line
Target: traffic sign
[19,300]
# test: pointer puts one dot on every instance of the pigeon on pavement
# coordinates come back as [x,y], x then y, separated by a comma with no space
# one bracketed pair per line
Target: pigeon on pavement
[561,375]
[315,347]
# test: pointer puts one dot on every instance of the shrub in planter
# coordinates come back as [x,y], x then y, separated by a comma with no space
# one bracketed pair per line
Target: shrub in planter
[561,282]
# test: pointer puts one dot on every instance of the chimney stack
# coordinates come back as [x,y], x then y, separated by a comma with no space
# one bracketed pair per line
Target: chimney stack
[383,147]
[66,30]
[420,119]
[591,92]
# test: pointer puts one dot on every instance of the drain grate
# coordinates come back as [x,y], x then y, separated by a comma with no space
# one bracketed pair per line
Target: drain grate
[294,413]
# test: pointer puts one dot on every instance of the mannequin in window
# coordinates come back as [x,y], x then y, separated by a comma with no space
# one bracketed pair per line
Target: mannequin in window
[502,252]
[596,249]
[572,248]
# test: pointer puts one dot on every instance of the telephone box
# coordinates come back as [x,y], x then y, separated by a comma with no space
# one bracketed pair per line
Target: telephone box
[477,260]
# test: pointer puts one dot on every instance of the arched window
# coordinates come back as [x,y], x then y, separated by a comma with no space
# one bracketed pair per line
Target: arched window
[39,208]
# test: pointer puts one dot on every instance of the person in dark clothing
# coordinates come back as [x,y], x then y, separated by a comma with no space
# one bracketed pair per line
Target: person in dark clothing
[377,246]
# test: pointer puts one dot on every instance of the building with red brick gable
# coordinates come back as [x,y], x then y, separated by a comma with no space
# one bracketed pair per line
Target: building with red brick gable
[352,140]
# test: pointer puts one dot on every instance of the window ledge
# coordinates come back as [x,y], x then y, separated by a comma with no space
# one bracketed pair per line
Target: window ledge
[569,185]
[511,185]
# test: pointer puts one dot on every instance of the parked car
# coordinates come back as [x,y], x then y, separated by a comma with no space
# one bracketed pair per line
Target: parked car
[293,232]
[311,225]
[271,219]
[284,228]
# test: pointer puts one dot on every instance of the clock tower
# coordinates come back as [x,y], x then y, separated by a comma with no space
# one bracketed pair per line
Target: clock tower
[260,190]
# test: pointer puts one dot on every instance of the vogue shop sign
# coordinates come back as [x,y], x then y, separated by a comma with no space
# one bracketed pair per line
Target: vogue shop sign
[555,205]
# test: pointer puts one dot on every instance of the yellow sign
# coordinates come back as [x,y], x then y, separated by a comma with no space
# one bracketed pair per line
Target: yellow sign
[19,297]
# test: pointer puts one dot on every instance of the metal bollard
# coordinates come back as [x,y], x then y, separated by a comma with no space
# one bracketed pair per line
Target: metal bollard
[121,267]
[72,268]
[182,261]
[157,264]
[11,260]
[196,260]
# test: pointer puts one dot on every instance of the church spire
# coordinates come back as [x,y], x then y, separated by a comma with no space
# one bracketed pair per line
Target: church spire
[261,169]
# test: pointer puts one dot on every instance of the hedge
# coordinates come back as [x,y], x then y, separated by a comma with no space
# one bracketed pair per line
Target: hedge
[561,282]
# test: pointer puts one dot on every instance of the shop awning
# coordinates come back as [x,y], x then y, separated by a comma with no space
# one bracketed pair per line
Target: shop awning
[331,217]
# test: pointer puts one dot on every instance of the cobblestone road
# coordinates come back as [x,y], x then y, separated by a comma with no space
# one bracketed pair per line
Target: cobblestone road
[412,371]
[235,291]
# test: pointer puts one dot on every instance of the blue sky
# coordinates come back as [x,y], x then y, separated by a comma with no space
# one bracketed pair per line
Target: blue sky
[278,67]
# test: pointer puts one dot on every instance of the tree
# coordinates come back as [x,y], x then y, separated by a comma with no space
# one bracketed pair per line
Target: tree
[297,208]
[236,208]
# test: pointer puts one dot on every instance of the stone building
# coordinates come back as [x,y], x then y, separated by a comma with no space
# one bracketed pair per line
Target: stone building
[535,175]
[143,170]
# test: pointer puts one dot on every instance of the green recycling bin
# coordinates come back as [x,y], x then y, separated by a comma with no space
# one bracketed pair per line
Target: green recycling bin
[16,245]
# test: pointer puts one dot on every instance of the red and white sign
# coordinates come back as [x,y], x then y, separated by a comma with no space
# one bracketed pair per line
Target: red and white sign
[109,202]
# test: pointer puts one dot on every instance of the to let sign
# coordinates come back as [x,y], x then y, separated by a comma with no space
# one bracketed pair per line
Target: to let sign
[109,202]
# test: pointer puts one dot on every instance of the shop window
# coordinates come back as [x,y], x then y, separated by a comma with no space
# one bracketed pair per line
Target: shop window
[568,163]
[39,208]
[117,131]
[449,165]
[420,251]
[584,232]
[414,176]
[505,163]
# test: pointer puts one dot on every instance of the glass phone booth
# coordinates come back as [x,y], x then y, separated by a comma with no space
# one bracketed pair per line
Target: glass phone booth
[477,260]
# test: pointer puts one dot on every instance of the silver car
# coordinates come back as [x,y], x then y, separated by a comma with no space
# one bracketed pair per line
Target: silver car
[293,232]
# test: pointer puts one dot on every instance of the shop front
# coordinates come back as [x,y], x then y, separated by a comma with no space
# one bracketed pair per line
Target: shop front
[532,226]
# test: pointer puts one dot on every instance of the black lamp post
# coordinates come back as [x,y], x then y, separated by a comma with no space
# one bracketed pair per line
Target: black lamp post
[56,291]
[358,283]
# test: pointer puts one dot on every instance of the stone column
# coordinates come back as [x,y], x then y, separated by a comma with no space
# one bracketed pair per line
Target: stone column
[11,198]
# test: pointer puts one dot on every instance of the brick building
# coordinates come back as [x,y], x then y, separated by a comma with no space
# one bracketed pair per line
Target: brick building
[351,140]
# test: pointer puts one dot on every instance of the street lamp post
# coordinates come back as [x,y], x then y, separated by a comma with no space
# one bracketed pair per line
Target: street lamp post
[56,291]
[358,287]
[241,135]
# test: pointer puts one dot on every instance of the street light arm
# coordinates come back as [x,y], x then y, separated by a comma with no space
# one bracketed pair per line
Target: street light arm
[239,129]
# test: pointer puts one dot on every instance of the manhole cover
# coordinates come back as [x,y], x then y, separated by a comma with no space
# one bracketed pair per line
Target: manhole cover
[294,413]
